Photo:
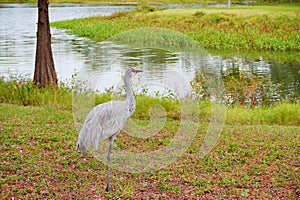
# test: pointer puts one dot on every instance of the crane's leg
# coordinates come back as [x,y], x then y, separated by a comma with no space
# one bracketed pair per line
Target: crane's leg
[108,161]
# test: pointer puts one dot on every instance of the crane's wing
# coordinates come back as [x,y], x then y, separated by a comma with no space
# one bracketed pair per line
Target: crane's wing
[103,121]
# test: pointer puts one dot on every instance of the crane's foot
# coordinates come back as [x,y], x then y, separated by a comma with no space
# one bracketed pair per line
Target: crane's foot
[107,188]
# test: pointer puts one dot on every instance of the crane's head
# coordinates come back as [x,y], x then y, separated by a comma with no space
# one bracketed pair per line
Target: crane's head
[130,71]
[135,70]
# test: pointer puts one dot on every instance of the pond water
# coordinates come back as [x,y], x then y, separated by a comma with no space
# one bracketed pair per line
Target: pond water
[104,63]
[18,36]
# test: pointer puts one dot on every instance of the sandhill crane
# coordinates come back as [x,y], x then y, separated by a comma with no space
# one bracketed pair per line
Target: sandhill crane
[106,120]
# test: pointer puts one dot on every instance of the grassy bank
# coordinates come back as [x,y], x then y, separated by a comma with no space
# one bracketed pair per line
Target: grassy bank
[22,92]
[257,155]
[242,28]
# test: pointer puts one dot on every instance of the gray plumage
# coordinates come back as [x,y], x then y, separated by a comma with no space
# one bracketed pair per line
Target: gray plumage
[106,120]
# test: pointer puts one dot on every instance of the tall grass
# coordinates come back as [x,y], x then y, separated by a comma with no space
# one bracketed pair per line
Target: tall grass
[281,114]
[21,90]
[24,92]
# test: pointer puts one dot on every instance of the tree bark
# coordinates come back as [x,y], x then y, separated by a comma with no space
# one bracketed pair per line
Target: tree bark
[44,73]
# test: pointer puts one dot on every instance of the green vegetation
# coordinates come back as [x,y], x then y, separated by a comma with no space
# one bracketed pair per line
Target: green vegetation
[242,28]
[256,153]
[21,90]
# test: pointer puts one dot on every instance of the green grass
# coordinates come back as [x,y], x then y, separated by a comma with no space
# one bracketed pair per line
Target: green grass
[38,160]
[256,156]
[20,90]
[242,28]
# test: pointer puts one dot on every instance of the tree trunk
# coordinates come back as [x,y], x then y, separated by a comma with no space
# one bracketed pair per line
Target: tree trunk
[44,73]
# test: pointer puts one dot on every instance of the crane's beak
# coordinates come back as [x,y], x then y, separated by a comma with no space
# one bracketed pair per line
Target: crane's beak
[138,70]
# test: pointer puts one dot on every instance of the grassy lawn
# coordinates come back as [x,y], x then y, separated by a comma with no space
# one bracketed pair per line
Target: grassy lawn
[38,160]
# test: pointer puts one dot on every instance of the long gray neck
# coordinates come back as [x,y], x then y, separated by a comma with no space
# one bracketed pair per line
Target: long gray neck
[129,95]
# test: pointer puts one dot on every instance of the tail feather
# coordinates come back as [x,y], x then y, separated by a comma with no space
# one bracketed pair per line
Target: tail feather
[81,147]
[90,135]
[81,141]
